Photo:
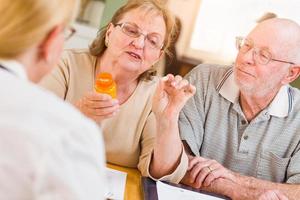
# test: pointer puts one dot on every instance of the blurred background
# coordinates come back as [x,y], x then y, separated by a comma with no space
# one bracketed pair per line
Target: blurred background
[207,27]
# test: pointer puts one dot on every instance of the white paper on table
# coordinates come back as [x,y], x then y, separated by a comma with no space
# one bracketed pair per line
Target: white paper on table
[166,192]
[116,181]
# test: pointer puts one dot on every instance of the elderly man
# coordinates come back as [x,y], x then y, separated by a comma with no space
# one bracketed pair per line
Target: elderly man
[240,129]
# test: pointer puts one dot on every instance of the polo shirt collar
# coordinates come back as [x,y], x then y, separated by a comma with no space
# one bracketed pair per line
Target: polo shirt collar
[280,106]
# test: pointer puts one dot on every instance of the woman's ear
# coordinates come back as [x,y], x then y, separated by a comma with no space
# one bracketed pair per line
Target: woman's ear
[108,31]
[294,73]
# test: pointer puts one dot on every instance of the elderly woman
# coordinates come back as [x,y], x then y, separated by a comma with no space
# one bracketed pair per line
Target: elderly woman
[128,47]
[44,155]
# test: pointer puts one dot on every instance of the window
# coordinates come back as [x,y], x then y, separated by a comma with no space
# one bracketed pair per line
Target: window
[219,21]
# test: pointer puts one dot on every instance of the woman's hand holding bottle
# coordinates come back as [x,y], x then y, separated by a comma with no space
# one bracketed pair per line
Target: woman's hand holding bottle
[102,103]
[98,106]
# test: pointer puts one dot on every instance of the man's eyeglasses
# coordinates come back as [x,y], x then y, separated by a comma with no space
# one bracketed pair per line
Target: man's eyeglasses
[260,55]
[152,40]
[69,32]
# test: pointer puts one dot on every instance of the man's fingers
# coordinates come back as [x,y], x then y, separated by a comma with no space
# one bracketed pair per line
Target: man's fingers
[193,161]
[201,176]
[215,173]
[194,172]
[269,195]
[210,178]
[280,195]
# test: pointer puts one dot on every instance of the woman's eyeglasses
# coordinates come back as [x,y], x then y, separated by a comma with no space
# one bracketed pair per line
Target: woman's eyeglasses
[152,40]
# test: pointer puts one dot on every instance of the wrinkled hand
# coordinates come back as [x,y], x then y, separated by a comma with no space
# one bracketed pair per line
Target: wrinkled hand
[202,172]
[171,95]
[273,195]
[98,106]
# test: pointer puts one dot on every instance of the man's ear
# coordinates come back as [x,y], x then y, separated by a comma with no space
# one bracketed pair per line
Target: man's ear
[48,45]
[294,73]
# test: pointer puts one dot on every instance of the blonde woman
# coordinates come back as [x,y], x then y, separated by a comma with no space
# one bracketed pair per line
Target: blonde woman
[48,149]
[128,47]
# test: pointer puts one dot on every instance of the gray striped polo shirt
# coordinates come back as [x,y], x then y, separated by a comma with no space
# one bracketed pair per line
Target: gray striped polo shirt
[214,126]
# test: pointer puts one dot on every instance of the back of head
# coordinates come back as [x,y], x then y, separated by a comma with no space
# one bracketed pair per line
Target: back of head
[283,34]
[26,23]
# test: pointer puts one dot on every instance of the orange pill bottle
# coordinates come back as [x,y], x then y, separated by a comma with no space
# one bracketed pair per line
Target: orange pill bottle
[105,84]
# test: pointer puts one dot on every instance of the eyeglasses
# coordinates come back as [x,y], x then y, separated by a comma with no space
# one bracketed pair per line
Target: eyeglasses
[69,32]
[152,40]
[260,55]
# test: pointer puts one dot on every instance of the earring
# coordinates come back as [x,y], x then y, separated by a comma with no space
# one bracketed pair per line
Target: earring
[106,42]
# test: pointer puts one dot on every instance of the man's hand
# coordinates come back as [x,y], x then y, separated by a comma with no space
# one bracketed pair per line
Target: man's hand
[273,195]
[202,172]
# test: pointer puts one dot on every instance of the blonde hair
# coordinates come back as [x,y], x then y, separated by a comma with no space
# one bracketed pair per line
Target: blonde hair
[98,46]
[26,23]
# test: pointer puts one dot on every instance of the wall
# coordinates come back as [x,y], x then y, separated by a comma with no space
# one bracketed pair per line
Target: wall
[296,83]
[186,10]
[110,8]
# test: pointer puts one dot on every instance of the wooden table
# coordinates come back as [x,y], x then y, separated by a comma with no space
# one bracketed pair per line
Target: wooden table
[133,190]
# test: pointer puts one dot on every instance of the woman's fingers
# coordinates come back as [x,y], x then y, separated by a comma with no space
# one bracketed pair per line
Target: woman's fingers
[190,89]
[178,84]
[175,83]
[182,84]
[95,96]
[98,100]
[171,95]
[98,106]
[102,111]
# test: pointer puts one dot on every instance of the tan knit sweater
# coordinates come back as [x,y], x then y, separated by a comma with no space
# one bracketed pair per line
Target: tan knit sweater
[128,136]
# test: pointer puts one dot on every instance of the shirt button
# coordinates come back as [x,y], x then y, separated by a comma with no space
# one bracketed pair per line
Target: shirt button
[243,122]
[245,137]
